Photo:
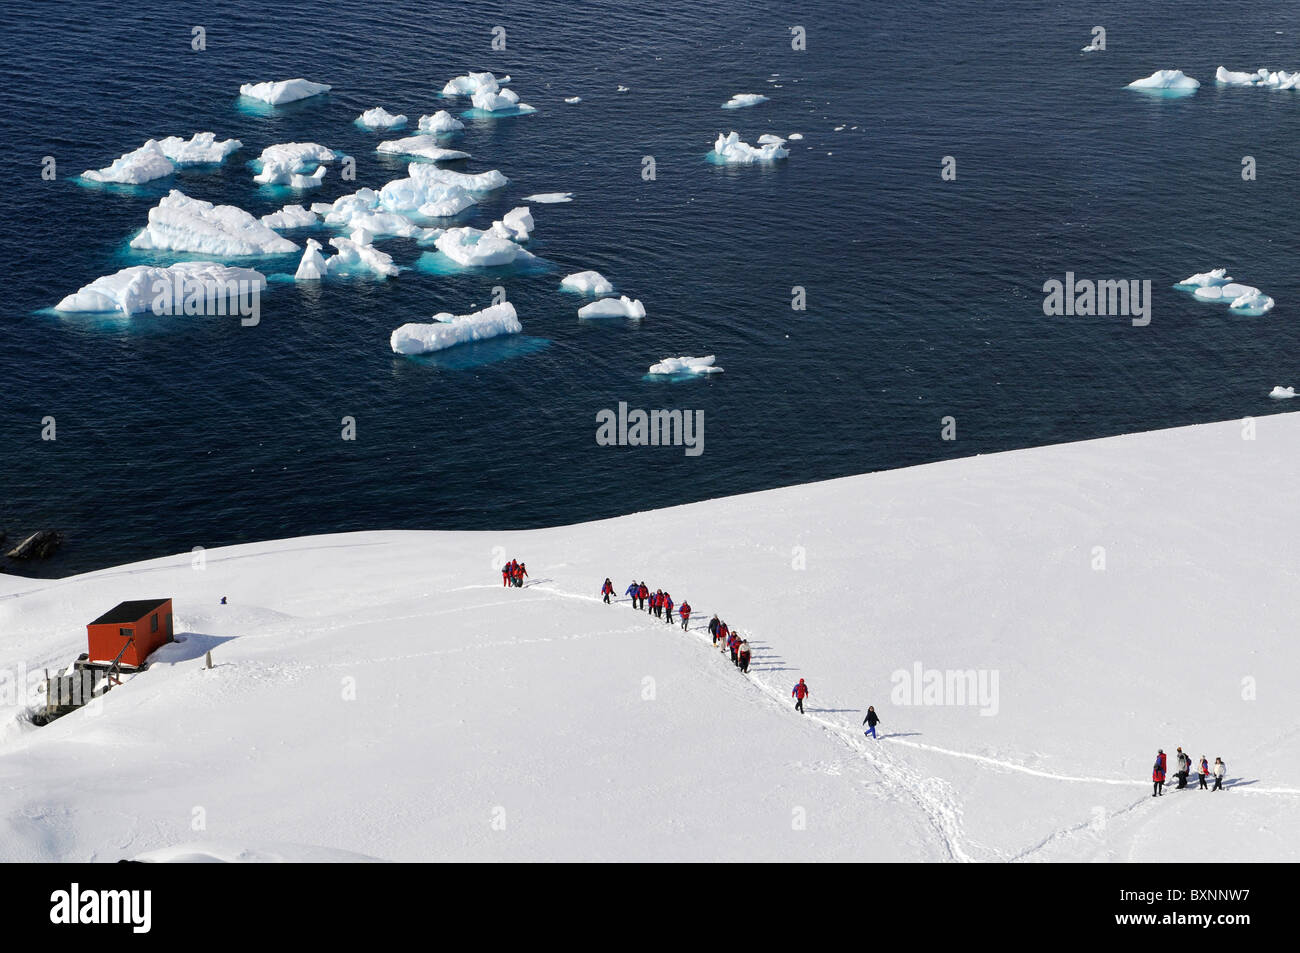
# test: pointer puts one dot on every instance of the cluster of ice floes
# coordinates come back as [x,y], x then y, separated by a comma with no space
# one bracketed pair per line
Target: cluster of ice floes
[587,283]
[299,165]
[1217,286]
[425,146]
[160,157]
[283,91]
[448,330]
[441,122]
[355,255]
[620,307]
[686,365]
[741,100]
[730,149]
[179,223]
[381,118]
[486,93]
[1168,81]
[1280,79]
[135,289]
[291,216]
[476,248]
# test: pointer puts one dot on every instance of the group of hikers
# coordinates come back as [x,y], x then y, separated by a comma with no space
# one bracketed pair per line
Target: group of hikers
[512,573]
[726,639]
[1203,771]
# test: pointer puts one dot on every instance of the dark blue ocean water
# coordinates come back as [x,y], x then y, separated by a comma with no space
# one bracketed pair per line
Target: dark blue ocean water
[924,297]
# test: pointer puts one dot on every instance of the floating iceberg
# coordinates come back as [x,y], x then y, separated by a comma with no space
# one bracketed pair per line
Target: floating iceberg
[1282,393]
[291,216]
[729,149]
[425,146]
[1168,81]
[587,283]
[686,365]
[283,91]
[182,224]
[506,100]
[472,248]
[313,266]
[516,225]
[356,256]
[472,83]
[573,99]
[549,198]
[741,100]
[449,330]
[621,307]
[429,175]
[440,122]
[795,136]
[362,210]
[1219,276]
[203,148]
[135,289]
[292,164]
[381,118]
[1215,285]
[145,164]
[767,139]
[1280,79]
[623,89]
[435,192]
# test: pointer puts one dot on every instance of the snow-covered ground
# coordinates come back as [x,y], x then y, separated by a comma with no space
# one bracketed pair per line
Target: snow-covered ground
[380,694]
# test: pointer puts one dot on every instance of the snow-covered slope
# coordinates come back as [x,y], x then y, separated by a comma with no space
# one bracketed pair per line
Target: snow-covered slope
[538,723]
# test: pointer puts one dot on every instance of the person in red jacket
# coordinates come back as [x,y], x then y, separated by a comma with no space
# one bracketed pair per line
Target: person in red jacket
[607,590]
[800,692]
[685,613]
[507,571]
[644,592]
[520,571]
[668,608]
[1158,774]
[733,646]
[723,634]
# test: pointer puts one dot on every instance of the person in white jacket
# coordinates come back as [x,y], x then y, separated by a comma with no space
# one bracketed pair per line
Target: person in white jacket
[1220,769]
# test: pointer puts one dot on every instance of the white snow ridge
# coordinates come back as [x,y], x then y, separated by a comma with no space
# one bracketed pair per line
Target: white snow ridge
[448,330]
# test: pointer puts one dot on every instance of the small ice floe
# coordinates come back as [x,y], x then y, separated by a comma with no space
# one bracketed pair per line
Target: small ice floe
[299,165]
[686,365]
[1282,393]
[283,91]
[587,283]
[449,330]
[795,136]
[355,256]
[549,198]
[572,99]
[1216,285]
[440,123]
[506,101]
[742,100]
[424,146]
[1166,82]
[471,83]
[728,148]
[475,248]
[1270,79]
[202,148]
[621,307]
[291,216]
[134,168]
[623,89]
[516,225]
[380,118]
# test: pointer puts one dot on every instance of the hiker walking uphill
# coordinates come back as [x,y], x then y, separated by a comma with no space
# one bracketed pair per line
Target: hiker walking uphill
[1220,769]
[1204,772]
[733,645]
[871,721]
[607,590]
[800,692]
[1184,765]
[744,656]
[634,591]
[685,613]
[1158,774]
[714,626]
[724,634]
[644,591]
[668,608]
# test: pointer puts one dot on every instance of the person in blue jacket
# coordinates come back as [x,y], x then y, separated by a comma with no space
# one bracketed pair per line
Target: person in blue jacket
[634,591]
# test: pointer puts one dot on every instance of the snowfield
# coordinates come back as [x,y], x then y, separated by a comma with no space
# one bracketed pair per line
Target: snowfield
[380,694]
